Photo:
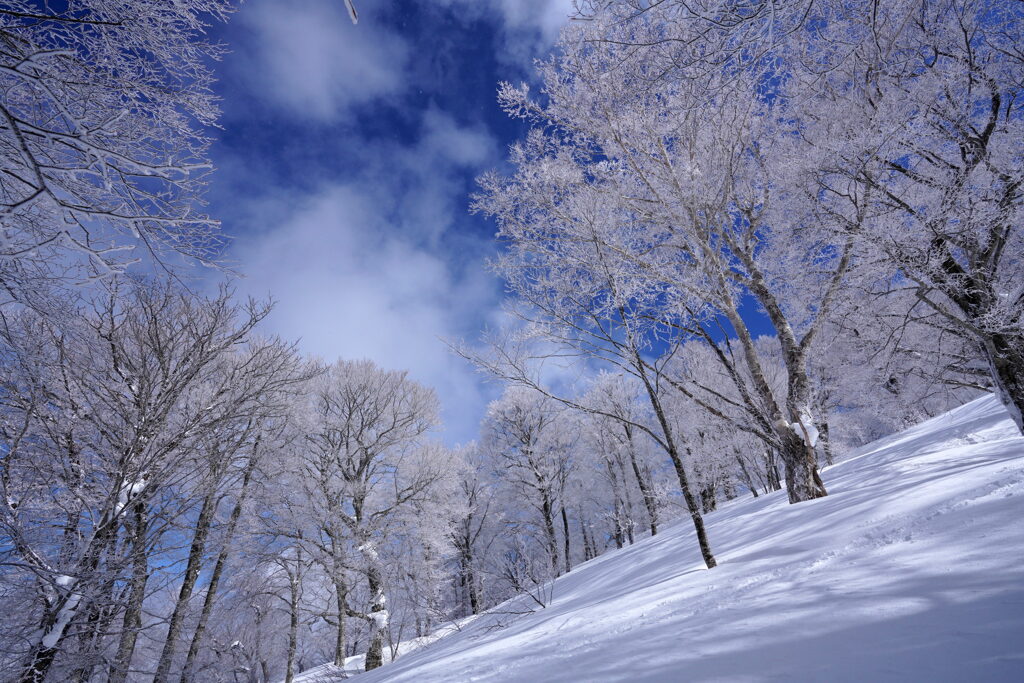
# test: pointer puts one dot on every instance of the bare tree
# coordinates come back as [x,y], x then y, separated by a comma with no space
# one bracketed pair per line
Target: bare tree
[364,463]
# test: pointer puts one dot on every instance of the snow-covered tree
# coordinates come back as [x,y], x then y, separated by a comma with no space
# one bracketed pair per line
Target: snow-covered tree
[365,470]
[107,429]
[103,152]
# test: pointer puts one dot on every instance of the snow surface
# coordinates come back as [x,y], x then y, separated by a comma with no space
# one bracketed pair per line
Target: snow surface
[325,673]
[912,569]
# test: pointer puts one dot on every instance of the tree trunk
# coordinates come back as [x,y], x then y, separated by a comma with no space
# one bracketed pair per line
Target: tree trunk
[64,610]
[802,479]
[547,510]
[708,500]
[617,505]
[1005,355]
[378,620]
[630,525]
[747,479]
[137,593]
[589,552]
[218,570]
[643,481]
[340,594]
[826,444]
[293,621]
[470,600]
[565,533]
[771,471]
[677,463]
[188,584]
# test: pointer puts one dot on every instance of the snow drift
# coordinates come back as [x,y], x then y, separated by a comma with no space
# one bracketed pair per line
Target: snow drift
[912,569]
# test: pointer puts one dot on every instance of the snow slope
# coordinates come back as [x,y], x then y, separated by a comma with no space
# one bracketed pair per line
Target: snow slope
[912,570]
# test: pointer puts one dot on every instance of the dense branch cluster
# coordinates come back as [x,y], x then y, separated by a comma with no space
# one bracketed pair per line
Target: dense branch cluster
[103,158]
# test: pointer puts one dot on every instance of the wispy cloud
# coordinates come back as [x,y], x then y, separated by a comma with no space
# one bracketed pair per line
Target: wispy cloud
[528,28]
[368,268]
[347,189]
[309,58]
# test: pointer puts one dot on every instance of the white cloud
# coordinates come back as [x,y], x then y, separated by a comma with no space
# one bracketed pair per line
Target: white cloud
[309,58]
[365,268]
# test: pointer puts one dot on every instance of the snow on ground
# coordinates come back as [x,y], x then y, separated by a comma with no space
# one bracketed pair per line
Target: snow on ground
[911,570]
[328,673]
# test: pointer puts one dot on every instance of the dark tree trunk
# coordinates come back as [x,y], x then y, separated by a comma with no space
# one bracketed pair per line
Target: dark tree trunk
[802,479]
[470,598]
[771,472]
[1006,359]
[708,500]
[617,504]
[588,543]
[747,479]
[826,444]
[547,511]
[629,524]
[643,481]
[565,532]
[677,463]
[340,596]
[218,570]
[377,620]
[293,622]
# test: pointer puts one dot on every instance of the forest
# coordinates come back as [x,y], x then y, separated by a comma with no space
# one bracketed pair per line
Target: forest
[739,240]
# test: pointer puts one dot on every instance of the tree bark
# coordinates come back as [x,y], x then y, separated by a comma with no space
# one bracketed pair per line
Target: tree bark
[340,596]
[1005,355]
[826,443]
[708,500]
[548,512]
[565,533]
[643,481]
[377,620]
[677,463]
[801,464]
[293,621]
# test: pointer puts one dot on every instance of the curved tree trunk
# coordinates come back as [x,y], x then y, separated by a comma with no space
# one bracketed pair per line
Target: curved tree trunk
[677,462]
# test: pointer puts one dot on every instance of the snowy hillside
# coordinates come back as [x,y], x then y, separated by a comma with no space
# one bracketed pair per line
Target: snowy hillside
[912,569]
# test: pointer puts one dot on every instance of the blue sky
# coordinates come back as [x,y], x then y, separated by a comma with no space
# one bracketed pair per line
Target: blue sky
[345,161]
